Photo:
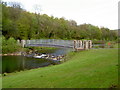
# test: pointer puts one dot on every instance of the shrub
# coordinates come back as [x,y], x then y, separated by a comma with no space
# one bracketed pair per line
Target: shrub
[10,45]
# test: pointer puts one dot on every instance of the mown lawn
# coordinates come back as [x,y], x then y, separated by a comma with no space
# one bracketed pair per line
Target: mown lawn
[87,69]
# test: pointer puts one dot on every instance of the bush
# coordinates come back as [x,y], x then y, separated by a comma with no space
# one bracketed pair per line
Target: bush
[110,44]
[10,45]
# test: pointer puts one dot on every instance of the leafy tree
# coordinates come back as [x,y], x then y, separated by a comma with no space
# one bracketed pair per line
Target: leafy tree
[9,45]
[105,33]
[20,24]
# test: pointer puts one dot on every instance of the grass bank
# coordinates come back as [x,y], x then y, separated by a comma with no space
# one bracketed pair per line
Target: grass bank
[87,69]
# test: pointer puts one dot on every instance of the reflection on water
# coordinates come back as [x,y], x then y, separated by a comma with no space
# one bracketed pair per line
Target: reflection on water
[17,63]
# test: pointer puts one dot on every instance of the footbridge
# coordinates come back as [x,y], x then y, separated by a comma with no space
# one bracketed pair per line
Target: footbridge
[75,44]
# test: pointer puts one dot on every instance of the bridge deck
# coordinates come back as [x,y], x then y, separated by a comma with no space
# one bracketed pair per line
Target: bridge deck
[49,45]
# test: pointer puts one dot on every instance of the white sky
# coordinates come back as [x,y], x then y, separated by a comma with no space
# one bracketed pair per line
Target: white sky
[96,12]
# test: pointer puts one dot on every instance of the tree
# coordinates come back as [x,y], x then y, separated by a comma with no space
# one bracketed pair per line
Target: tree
[20,24]
[105,33]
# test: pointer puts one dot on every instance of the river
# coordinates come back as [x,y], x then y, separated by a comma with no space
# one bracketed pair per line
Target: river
[18,63]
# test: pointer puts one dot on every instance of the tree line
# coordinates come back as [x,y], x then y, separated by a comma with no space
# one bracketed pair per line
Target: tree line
[21,24]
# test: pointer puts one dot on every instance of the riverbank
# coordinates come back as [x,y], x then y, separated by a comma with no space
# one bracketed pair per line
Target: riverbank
[29,50]
[87,69]
[11,54]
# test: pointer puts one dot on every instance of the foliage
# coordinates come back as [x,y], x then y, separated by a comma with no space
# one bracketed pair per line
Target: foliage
[20,24]
[10,45]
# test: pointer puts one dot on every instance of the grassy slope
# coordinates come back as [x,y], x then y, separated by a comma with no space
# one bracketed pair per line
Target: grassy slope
[87,69]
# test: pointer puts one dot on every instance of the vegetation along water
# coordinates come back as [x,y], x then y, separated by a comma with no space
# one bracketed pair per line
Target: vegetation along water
[95,68]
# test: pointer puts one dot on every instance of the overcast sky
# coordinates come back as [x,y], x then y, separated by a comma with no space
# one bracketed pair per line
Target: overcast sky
[96,12]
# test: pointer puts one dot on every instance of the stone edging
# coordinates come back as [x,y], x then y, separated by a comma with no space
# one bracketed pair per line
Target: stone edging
[11,54]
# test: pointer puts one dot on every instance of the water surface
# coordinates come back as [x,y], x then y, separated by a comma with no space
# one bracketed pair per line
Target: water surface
[18,63]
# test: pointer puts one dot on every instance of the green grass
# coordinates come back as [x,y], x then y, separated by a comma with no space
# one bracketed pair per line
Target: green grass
[87,69]
[0,82]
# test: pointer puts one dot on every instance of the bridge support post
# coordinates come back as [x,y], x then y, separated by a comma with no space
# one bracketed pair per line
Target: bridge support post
[18,41]
[80,44]
[75,44]
[23,42]
[86,45]
[89,44]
